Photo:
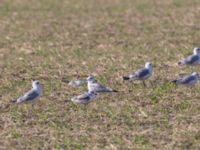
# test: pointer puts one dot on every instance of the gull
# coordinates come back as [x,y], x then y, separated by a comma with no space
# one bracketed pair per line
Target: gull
[189,80]
[192,59]
[84,98]
[142,74]
[94,86]
[77,83]
[32,95]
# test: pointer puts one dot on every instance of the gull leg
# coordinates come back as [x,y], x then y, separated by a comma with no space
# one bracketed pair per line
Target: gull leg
[144,84]
[33,108]
[151,83]
[192,89]
[29,111]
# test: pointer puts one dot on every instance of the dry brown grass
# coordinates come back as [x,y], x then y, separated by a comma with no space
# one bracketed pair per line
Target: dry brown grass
[49,40]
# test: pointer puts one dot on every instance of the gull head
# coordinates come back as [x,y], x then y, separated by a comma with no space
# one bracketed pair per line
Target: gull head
[148,65]
[91,79]
[196,50]
[36,84]
[195,74]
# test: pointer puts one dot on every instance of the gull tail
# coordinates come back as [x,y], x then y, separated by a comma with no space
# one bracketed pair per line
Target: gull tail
[126,78]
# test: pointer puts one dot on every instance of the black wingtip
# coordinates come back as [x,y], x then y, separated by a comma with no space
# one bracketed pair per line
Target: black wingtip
[115,91]
[126,78]
[65,80]
[13,101]
[174,81]
[179,63]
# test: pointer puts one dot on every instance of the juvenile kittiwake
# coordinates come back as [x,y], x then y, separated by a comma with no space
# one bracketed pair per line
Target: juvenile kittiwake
[84,98]
[94,86]
[192,59]
[189,80]
[142,74]
[32,95]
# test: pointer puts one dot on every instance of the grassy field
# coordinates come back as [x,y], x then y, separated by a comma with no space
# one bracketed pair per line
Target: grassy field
[51,40]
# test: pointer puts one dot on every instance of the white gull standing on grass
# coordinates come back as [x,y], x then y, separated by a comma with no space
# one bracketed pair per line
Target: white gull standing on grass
[77,83]
[142,74]
[189,80]
[32,95]
[84,98]
[94,86]
[192,59]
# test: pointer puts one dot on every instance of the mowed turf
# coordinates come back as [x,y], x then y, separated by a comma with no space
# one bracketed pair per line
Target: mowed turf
[51,40]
